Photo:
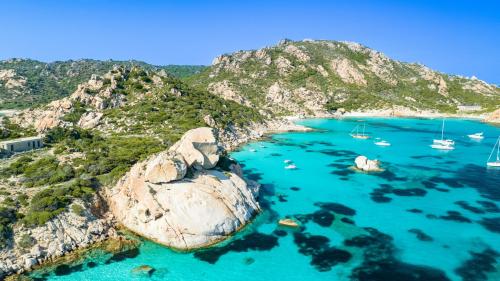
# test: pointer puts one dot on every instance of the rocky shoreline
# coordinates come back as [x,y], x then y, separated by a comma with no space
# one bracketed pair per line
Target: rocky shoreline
[69,232]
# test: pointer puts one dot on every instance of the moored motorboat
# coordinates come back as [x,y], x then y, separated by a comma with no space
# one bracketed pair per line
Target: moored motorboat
[382,143]
[476,136]
[291,167]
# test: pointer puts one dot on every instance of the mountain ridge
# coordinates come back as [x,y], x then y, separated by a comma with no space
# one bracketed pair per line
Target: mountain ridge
[307,77]
[27,82]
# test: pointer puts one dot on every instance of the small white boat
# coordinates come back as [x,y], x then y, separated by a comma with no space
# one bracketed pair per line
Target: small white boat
[291,167]
[252,150]
[476,136]
[444,142]
[355,133]
[443,146]
[495,163]
[287,161]
[382,143]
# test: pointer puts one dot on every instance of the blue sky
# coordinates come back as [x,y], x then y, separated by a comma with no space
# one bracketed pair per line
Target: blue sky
[460,37]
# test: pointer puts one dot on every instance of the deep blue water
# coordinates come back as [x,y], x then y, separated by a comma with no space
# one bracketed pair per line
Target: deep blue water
[432,215]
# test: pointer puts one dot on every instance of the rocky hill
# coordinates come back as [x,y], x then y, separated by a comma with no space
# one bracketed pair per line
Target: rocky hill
[315,77]
[25,83]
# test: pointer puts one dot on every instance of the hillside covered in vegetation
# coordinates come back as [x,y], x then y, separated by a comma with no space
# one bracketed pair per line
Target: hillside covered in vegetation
[25,83]
[95,135]
[310,77]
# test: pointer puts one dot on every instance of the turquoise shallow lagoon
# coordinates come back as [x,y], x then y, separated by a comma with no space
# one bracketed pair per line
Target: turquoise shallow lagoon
[432,215]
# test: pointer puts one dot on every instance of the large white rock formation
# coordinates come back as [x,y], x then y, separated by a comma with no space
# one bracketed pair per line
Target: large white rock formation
[156,200]
[367,165]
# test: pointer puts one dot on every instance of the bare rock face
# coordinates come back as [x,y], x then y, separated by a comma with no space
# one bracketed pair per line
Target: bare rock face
[367,165]
[165,167]
[157,201]
[62,234]
[199,148]
[494,117]
[90,120]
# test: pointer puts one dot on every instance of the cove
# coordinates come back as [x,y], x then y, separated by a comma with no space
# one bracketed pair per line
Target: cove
[432,215]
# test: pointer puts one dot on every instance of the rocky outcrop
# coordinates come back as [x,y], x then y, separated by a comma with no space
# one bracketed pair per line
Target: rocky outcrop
[494,117]
[155,199]
[62,234]
[367,165]
[165,167]
[90,119]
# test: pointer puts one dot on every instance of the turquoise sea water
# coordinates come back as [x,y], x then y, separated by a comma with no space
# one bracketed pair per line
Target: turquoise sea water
[432,215]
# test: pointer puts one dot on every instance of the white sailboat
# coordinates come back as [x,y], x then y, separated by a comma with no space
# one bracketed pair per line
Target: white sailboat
[495,163]
[476,136]
[357,135]
[443,144]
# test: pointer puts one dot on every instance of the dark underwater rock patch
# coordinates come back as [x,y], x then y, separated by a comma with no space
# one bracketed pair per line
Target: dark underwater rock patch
[421,235]
[453,183]
[409,192]
[252,242]
[342,173]
[294,188]
[323,218]
[276,154]
[282,198]
[477,267]
[391,270]
[323,256]
[491,224]
[338,152]
[414,210]
[390,176]
[465,205]
[379,263]
[378,195]
[336,208]
[251,174]
[455,216]
[347,220]
[280,233]
[91,264]
[426,156]
[65,269]
[489,207]
[248,261]
[128,254]
[483,180]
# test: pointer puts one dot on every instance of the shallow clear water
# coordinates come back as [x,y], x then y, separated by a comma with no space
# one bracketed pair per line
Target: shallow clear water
[393,225]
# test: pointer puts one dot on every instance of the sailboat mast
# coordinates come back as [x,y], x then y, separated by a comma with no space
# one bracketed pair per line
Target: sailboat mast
[493,150]
[442,131]
[498,148]
[364,125]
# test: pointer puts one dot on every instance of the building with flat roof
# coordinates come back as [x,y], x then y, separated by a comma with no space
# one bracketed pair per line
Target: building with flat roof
[22,144]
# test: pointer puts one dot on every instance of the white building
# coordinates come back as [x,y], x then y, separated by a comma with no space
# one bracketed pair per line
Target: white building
[22,144]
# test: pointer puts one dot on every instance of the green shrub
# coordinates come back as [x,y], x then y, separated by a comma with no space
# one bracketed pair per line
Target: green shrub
[77,209]
[47,171]
[17,167]
[26,241]
[7,218]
